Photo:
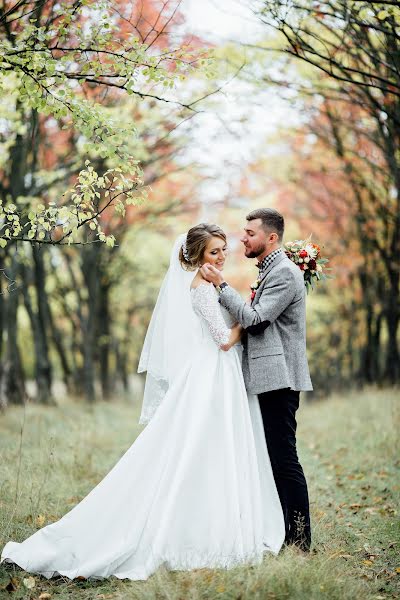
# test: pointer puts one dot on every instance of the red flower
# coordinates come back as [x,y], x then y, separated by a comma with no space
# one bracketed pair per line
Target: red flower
[303,253]
[301,265]
[312,264]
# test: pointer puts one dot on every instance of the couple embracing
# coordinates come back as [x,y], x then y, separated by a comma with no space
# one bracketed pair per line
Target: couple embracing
[214,479]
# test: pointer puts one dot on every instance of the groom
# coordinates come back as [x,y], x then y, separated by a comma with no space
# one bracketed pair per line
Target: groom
[274,357]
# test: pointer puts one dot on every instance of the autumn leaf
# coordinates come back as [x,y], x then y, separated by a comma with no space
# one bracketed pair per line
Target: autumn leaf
[40,520]
[45,596]
[29,582]
[12,585]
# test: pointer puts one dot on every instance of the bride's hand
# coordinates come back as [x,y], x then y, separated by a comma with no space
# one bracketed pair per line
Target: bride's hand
[236,334]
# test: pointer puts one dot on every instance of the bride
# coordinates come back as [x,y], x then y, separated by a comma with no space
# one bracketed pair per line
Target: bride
[196,487]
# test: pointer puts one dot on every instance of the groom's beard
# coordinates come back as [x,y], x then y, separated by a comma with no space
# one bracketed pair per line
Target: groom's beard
[254,253]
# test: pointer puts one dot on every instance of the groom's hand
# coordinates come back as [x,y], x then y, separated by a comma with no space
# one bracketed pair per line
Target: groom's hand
[211,274]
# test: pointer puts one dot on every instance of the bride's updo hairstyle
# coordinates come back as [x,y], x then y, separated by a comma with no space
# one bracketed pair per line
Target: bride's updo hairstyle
[192,252]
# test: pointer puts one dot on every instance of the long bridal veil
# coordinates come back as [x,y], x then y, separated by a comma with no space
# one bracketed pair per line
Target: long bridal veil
[171,334]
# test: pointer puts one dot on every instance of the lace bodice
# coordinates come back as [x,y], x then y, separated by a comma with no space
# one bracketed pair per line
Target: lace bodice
[206,305]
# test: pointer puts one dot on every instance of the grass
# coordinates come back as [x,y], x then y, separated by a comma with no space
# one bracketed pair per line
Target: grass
[50,457]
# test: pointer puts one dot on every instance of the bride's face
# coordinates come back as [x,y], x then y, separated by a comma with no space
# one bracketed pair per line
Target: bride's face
[215,253]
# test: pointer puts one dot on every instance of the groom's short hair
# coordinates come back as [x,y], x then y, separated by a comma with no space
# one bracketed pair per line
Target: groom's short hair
[272,220]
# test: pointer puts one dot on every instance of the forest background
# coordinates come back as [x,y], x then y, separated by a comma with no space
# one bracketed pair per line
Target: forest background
[123,123]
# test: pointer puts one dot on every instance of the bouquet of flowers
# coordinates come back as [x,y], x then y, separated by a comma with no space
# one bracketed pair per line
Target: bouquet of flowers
[307,256]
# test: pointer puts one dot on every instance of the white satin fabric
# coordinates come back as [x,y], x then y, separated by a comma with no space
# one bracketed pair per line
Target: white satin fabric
[194,490]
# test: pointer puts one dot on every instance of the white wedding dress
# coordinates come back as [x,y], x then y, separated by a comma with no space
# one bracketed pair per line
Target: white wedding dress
[194,490]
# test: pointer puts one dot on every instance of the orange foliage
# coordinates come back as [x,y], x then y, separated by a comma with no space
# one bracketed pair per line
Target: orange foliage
[155,21]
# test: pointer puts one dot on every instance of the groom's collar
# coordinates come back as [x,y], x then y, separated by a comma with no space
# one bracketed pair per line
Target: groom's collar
[276,260]
[267,260]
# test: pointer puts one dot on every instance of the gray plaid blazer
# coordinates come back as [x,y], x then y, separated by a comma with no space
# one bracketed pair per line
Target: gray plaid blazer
[274,343]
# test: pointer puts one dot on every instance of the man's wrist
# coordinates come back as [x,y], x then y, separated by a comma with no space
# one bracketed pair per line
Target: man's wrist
[221,287]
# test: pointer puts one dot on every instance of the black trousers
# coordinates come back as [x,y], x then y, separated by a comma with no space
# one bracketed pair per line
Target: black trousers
[278,409]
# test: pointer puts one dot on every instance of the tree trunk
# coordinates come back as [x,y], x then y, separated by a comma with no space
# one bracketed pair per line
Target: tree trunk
[89,265]
[43,392]
[43,365]
[369,367]
[3,402]
[13,381]
[121,364]
[59,346]
[376,340]
[104,337]
[392,366]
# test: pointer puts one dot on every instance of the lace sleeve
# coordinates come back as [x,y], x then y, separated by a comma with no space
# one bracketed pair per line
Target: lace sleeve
[205,303]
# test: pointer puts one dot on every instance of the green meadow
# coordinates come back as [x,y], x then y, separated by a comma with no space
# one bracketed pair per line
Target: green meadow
[51,457]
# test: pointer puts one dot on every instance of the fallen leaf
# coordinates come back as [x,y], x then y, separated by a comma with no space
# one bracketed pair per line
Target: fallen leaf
[368,562]
[12,585]
[397,569]
[45,596]
[73,500]
[40,520]
[356,476]
[29,582]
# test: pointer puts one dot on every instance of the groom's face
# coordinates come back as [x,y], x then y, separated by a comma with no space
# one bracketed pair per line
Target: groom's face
[254,239]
